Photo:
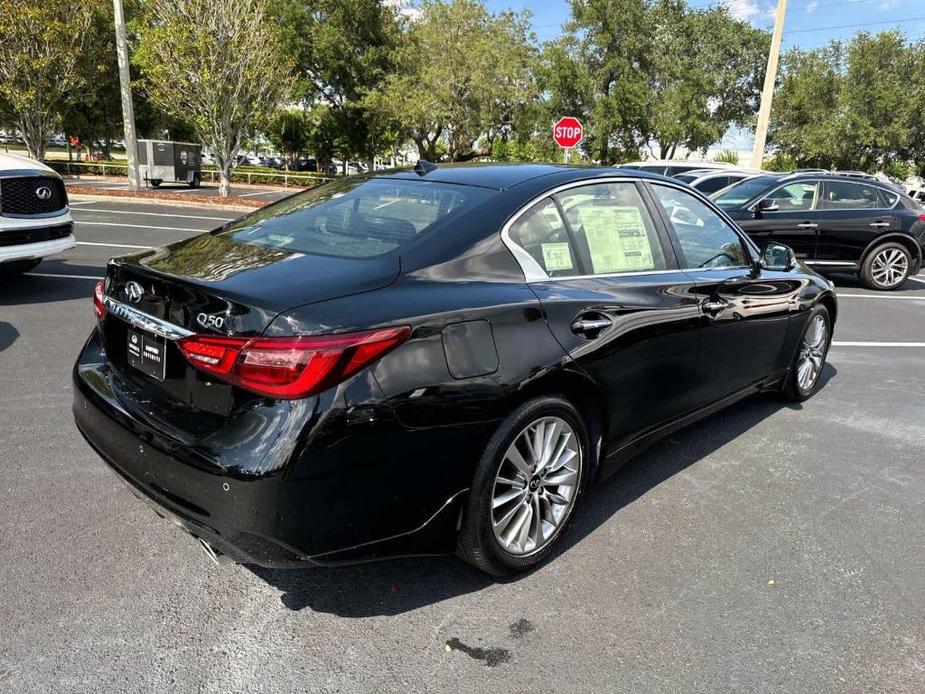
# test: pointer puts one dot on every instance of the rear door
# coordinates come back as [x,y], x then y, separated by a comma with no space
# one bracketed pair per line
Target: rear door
[615,299]
[852,215]
[745,311]
[794,221]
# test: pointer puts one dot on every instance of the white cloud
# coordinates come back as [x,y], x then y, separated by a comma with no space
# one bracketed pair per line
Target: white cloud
[812,5]
[745,10]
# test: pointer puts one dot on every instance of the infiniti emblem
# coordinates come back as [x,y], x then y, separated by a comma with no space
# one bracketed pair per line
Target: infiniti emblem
[43,193]
[133,292]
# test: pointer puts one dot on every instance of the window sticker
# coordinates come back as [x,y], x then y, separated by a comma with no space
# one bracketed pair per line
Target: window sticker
[617,239]
[556,256]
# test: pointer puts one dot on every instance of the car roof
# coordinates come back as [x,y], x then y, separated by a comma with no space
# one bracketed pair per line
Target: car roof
[502,176]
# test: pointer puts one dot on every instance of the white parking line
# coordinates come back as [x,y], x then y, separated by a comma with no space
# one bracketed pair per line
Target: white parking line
[113,245]
[881,296]
[141,226]
[262,192]
[70,277]
[878,344]
[917,279]
[158,214]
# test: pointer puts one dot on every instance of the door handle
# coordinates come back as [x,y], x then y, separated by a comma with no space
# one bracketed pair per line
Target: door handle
[880,224]
[591,327]
[713,307]
[808,225]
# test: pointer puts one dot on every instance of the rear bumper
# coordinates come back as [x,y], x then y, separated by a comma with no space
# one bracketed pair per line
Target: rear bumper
[342,500]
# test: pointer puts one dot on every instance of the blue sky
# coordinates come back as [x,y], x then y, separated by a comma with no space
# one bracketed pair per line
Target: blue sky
[809,23]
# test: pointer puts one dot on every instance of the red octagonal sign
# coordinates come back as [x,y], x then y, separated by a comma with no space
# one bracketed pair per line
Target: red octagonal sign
[567,132]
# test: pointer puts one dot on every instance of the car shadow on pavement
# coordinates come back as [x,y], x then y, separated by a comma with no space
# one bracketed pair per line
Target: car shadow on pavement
[395,586]
[8,335]
[21,290]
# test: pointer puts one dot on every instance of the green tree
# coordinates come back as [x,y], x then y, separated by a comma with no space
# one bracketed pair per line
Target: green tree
[217,64]
[342,49]
[289,130]
[462,74]
[851,105]
[652,74]
[42,63]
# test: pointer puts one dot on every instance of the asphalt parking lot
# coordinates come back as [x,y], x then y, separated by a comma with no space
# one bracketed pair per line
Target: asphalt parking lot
[770,548]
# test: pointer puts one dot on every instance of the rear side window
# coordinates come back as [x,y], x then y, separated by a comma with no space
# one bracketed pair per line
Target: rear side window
[541,232]
[356,218]
[706,240]
[711,185]
[840,195]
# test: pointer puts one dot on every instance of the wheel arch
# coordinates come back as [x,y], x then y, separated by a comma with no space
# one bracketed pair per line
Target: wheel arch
[831,305]
[896,237]
[578,388]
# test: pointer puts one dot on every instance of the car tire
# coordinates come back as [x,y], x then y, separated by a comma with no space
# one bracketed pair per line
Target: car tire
[540,497]
[155,182]
[196,182]
[810,354]
[886,267]
[18,267]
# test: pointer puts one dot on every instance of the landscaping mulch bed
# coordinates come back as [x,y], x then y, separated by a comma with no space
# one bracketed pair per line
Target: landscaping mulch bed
[208,200]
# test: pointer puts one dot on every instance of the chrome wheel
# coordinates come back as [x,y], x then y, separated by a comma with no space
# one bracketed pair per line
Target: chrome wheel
[889,267]
[812,352]
[536,485]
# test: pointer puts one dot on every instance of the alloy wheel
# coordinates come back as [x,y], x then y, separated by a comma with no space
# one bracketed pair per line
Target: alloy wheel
[812,352]
[889,267]
[536,486]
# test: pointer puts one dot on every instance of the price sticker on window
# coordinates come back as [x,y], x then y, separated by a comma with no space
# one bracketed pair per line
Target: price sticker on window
[557,256]
[617,238]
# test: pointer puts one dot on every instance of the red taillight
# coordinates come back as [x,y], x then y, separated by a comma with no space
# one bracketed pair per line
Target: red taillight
[289,367]
[922,217]
[214,355]
[99,308]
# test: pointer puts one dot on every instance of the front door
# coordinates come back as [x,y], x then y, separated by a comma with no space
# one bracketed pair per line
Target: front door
[744,311]
[793,219]
[615,300]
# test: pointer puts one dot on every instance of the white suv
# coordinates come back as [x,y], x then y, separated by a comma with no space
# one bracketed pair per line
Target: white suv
[35,220]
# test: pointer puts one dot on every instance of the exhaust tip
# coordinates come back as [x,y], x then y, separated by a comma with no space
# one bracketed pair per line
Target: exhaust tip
[217,557]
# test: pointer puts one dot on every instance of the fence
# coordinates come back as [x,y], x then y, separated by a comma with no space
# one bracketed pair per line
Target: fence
[284,178]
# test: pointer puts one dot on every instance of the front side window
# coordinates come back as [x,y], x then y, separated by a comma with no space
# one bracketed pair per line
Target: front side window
[840,195]
[612,229]
[706,240]
[796,197]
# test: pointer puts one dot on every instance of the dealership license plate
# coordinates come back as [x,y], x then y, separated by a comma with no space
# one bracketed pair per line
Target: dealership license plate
[147,353]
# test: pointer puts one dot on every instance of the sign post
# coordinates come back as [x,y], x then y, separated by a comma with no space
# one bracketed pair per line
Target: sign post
[567,132]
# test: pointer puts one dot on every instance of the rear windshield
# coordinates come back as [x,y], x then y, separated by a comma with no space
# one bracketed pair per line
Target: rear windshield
[356,218]
[743,191]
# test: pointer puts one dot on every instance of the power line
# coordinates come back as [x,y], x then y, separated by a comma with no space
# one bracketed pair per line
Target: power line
[856,26]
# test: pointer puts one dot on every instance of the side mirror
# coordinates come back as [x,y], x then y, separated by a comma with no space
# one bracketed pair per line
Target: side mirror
[766,205]
[777,256]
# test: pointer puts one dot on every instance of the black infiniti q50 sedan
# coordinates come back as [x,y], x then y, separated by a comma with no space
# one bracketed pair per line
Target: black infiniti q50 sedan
[421,361]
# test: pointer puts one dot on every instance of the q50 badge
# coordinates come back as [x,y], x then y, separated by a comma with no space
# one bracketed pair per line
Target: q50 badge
[209,321]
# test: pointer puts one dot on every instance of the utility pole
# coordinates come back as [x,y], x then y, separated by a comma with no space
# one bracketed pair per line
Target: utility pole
[128,109]
[767,94]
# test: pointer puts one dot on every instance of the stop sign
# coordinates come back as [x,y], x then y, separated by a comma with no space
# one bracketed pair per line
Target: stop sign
[567,132]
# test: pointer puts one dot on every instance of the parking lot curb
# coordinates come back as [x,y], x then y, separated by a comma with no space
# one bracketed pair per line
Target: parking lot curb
[79,194]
